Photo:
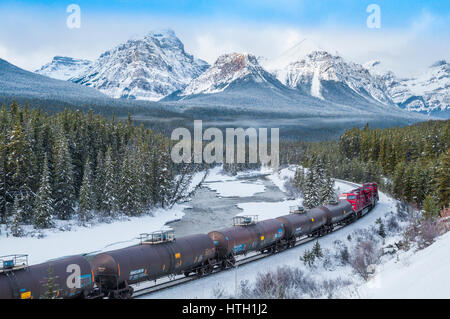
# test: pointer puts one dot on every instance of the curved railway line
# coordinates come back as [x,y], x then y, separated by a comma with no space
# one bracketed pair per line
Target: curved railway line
[240,261]
[160,262]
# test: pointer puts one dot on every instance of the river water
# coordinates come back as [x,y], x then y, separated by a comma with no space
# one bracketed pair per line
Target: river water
[209,211]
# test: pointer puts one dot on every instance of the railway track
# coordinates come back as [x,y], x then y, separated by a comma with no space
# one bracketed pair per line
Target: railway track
[181,279]
[239,262]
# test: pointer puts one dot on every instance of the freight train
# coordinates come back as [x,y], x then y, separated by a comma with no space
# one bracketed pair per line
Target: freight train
[160,254]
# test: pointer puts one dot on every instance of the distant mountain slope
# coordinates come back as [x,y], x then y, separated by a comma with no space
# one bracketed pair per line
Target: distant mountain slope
[329,77]
[64,68]
[143,69]
[15,81]
[227,70]
[428,92]
[237,82]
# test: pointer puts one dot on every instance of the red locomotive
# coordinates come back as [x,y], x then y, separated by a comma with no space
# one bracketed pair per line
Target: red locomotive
[362,198]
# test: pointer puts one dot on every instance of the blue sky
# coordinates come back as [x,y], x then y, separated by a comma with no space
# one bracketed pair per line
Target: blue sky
[396,13]
[31,32]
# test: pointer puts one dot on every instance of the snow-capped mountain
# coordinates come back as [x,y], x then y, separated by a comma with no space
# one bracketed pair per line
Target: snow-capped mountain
[428,92]
[64,68]
[236,83]
[329,77]
[143,69]
[227,70]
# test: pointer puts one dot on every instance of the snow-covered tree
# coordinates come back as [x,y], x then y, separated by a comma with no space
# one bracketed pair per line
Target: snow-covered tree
[63,182]
[3,185]
[317,250]
[17,212]
[311,195]
[99,184]
[130,192]
[111,193]
[43,208]
[431,207]
[327,190]
[86,200]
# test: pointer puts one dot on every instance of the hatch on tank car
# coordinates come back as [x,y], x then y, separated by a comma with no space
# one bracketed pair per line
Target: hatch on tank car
[156,237]
[245,220]
[297,210]
[333,202]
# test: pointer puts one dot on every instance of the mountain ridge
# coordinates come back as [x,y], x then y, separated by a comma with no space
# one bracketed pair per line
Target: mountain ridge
[145,69]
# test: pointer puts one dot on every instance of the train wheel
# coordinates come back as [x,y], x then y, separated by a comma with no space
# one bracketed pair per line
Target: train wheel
[186,273]
[292,242]
[200,272]
[209,269]
[231,261]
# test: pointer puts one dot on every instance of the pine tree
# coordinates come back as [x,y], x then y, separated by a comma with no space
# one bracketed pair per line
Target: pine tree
[399,172]
[51,287]
[419,184]
[299,178]
[4,197]
[160,177]
[431,207]
[43,208]
[99,184]
[327,191]
[408,183]
[129,186]
[317,250]
[16,230]
[381,229]
[86,200]
[308,258]
[111,192]
[63,186]
[443,179]
[310,193]
[19,167]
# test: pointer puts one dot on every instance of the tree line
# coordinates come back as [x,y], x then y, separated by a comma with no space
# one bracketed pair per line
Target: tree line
[411,162]
[75,164]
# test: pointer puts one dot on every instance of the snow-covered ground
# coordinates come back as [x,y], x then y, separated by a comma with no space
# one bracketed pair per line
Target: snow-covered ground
[421,274]
[408,274]
[98,237]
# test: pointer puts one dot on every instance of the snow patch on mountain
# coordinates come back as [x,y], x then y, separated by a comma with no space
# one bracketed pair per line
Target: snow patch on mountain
[315,84]
[309,73]
[64,68]
[143,69]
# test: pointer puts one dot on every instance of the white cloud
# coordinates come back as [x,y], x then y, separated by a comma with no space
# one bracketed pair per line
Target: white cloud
[40,38]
